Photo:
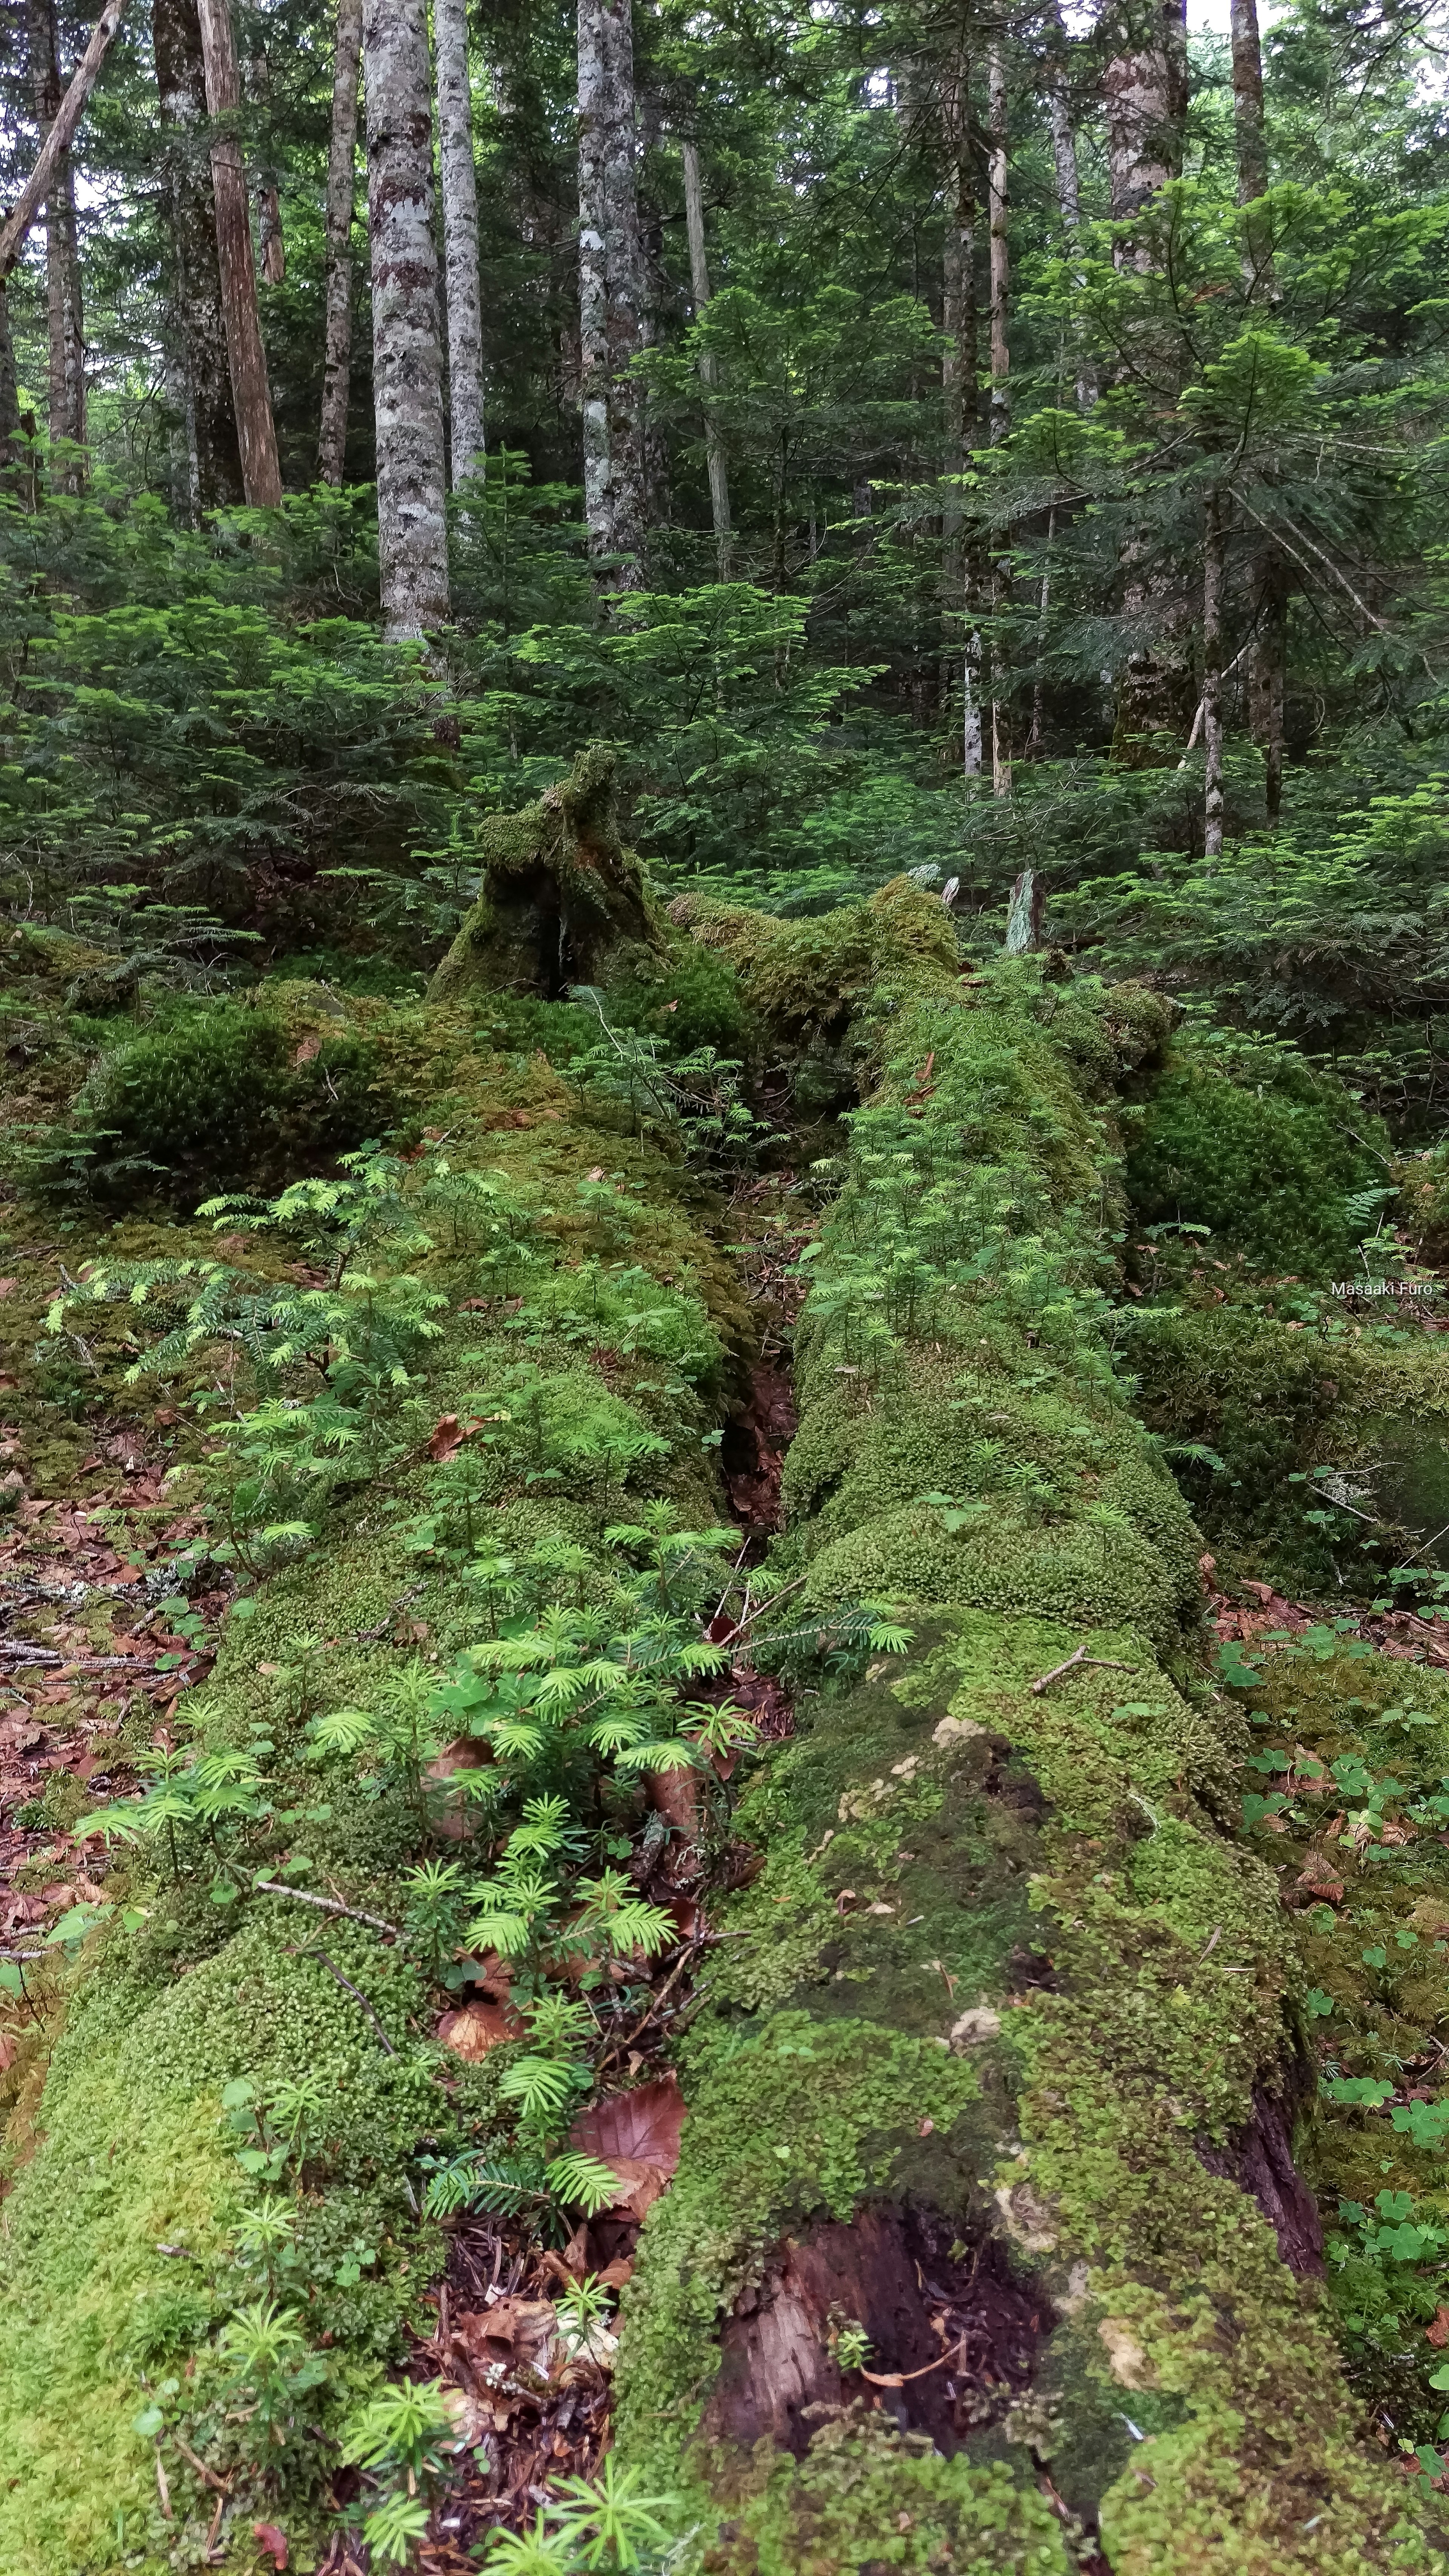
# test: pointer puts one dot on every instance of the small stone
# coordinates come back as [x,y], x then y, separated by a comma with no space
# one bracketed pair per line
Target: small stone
[956,1730]
[978,2024]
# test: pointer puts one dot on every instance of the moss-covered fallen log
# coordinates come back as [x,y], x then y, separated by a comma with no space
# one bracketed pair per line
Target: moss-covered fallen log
[993,2109]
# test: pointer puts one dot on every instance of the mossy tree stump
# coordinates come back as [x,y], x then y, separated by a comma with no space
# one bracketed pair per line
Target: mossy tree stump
[562,901]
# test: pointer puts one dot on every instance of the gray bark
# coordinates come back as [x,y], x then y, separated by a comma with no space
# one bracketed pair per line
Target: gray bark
[250,393]
[270,236]
[341,192]
[9,388]
[959,385]
[460,237]
[1145,88]
[1000,421]
[67,388]
[719,488]
[407,373]
[611,288]
[199,374]
[1212,672]
[1064,159]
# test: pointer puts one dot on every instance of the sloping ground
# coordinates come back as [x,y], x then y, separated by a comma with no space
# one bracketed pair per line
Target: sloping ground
[579,1340]
[1009,1986]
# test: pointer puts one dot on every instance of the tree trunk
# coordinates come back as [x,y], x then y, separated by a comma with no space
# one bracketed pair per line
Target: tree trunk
[407,372]
[269,201]
[341,192]
[1248,102]
[1212,672]
[9,389]
[251,398]
[1145,89]
[67,388]
[997,115]
[213,477]
[1064,159]
[610,289]
[719,489]
[55,148]
[959,370]
[460,237]
[1269,668]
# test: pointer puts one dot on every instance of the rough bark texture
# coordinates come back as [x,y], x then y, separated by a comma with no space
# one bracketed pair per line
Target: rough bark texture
[1212,673]
[1064,162]
[1269,672]
[270,236]
[460,237]
[1144,84]
[1248,101]
[611,288]
[406,357]
[65,328]
[719,489]
[212,476]
[9,389]
[997,113]
[341,191]
[959,322]
[561,896]
[250,393]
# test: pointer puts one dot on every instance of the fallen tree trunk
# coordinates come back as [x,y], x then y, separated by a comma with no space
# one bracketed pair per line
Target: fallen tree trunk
[986,2228]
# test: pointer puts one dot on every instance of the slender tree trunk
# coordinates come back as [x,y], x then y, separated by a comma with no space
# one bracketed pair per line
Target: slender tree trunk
[1000,421]
[200,373]
[1248,102]
[407,372]
[1212,672]
[611,288]
[341,194]
[269,202]
[460,236]
[67,389]
[719,489]
[1145,89]
[1064,159]
[55,148]
[251,396]
[960,583]
[9,389]
[1268,672]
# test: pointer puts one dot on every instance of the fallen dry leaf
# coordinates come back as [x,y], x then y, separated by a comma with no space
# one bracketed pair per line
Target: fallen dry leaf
[1438,2332]
[478,2027]
[518,2331]
[637,2134]
[272,2541]
[309,1048]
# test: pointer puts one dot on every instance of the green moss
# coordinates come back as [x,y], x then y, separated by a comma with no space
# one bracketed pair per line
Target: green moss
[562,900]
[1262,1151]
[1032,1822]
[865,2501]
[215,1100]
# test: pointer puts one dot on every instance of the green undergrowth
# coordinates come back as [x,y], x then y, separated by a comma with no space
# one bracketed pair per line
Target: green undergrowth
[449,1423]
[1248,1142]
[1349,1801]
[1016,1849]
[1316,1453]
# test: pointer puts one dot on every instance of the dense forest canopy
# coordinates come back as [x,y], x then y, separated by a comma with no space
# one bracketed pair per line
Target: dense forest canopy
[724,1212]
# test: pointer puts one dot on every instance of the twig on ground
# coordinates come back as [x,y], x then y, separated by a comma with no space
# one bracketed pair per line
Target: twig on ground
[219,2486]
[326,1905]
[1106,1664]
[691,1946]
[350,1989]
[369,1636]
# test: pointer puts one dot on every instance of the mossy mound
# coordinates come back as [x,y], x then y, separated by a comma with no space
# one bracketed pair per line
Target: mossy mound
[222,1098]
[562,901]
[1264,1152]
[1013,1846]
[807,979]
